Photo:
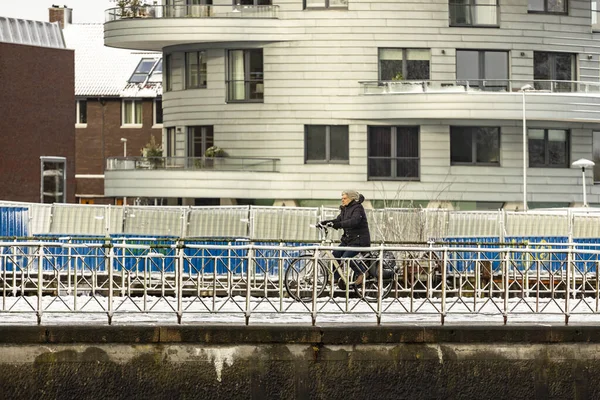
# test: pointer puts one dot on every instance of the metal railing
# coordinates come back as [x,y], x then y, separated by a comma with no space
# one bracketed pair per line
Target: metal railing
[478,85]
[193,163]
[191,11]
[473,14]
[198,281]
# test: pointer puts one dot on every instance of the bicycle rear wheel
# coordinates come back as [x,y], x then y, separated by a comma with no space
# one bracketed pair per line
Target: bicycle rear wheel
[300,278]
[369,288]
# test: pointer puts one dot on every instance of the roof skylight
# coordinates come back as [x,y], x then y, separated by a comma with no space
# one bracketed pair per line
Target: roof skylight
[144,69]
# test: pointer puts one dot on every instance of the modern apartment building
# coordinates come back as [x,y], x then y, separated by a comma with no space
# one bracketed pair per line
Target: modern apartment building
[423,101]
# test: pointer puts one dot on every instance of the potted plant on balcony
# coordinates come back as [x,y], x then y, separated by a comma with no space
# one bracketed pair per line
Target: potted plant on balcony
[211,155]
[153,154]
[131,8]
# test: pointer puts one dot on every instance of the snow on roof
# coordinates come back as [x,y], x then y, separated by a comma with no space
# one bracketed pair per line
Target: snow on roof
[33,33]
[102,70]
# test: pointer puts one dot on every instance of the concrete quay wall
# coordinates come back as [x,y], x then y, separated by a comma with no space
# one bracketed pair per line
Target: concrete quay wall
[298,362]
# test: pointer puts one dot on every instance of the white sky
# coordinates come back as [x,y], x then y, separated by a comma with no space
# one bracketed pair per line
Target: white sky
[37,10]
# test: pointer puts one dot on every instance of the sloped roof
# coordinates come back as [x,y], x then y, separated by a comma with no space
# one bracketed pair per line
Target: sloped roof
[102,70]
[33,33]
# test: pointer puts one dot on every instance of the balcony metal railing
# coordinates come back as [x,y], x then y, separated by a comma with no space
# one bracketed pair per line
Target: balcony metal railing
[193,163]
[192,11]
[478,85]
[473,14]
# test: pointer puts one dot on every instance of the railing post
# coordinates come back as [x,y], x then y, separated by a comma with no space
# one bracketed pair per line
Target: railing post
[250,264]
[180,247]
[568,292]
[40,305]
[506,285]
[111,260]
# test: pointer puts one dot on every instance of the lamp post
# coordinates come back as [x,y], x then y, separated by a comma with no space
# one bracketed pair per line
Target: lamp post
[583,163]
[124,140]
[523,90]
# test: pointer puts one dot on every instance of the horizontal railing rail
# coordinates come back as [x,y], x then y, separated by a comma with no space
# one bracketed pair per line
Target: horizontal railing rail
[254,164]
[479,85]
[191,11]
[200,282]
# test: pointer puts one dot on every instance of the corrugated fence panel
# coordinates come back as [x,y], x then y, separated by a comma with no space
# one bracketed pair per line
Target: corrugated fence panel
[539,224]
[474,224]
[14,221]
[219,222]
[403,225]
[328,214]
[377,224]
[162,221]
[73,219]
[41,215]
[586,226]
[285,224]
[116,219]
[436,223]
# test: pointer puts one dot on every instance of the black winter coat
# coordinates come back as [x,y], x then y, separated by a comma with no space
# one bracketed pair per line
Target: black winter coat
[353,220]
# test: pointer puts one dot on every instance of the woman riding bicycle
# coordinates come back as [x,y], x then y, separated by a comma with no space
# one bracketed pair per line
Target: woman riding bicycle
[353,220]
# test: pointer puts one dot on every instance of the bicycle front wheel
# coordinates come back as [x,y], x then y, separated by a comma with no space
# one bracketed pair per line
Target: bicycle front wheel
[304,277]
[369,288]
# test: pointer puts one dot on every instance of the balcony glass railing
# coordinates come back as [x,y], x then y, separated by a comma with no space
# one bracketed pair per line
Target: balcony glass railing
[192,11]
[473,14]
[478,85]
[193,163]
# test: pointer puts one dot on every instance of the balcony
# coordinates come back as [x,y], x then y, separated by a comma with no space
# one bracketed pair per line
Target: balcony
[154,27]
[192,11]
[476,15]
[239,164]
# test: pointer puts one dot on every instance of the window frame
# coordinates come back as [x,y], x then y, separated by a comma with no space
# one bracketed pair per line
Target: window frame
[545,11]
[567,163]
[155,122]
[204,132]
[124,123]
[539,83]
[404,62]
[171,141]
[327,5]
[248,81]
[474,161]
[481,63]
[472,4]
[53,160]
[168,72]
[200,59]
[78,122]
[327,159]
[393,152]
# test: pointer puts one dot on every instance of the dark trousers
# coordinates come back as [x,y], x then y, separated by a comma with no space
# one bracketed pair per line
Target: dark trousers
[359,267]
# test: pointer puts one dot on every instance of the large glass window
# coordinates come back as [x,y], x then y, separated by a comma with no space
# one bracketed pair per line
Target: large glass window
[195,70]
[473,12]
[474,145]
[325,3]
[54,180]
[200,138]
[393,152]
[404,64]
[486,70]
[326,143]
[245,75]
[169,73]
[548,147]
[170,143]
[131,112]
[252,2]
[548,6]
[81,112]
[548,68]
[158,112]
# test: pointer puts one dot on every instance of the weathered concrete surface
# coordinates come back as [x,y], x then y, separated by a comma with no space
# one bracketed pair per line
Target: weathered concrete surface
[291,362]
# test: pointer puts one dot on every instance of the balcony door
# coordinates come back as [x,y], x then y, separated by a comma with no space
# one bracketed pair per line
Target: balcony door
[200,138]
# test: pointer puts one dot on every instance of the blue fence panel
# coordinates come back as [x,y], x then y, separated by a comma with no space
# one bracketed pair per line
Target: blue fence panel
[587,263]
[160,257]
[546,261]
[14,221]
[464,261]
[80,257]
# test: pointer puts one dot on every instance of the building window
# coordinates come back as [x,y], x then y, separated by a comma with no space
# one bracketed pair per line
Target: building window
[169,73]
[81,112]
[486,70]
[473,12]
[245,75]
[548,148]
[195,70]
[252,2]
[404,64]
[158,112]
[325,4]
[170,143]
[326,144]
[393,153]
[144,69]
[548,6]
[54,180]
[474,145]
[548,68]
[596,155]
[200,138]
[595,10]
[131,112]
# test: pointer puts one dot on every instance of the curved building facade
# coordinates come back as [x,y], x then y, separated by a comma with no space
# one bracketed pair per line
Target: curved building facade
[424,101]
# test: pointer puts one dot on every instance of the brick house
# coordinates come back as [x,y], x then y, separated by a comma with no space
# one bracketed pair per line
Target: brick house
[118,104]
[37,133]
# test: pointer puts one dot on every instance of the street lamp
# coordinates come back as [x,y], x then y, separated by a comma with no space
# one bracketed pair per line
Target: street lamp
[523,90]
[583,163]
[124,140]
